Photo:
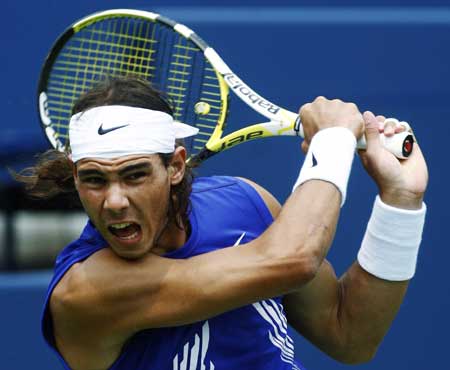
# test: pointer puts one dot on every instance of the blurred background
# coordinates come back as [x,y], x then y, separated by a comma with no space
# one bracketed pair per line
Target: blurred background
[389,56]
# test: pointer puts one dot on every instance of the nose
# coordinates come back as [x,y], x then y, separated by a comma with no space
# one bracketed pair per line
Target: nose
[116,199]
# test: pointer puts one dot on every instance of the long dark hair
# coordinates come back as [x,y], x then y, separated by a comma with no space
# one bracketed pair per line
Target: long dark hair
[52,174]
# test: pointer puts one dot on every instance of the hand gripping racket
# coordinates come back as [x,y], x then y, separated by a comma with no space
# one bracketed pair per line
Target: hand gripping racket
[174,60]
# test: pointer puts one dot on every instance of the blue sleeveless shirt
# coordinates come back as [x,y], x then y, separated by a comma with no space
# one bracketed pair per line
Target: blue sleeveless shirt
[225,212]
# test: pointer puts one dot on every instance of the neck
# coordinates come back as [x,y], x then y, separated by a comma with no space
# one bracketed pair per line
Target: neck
[172,238]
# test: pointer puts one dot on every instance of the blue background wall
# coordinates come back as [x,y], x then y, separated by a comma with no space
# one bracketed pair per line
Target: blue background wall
[388,56]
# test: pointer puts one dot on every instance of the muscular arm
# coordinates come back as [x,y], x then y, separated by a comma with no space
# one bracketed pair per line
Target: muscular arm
[347,317]
[110,298]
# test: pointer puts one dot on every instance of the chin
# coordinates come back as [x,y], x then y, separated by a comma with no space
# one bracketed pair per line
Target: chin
[129,254]
[128,249]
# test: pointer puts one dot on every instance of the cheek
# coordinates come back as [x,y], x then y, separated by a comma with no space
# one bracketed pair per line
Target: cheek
[90,200]
[155,199]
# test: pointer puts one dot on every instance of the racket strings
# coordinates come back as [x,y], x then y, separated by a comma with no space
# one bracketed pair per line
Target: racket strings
[149,49]
[107,48]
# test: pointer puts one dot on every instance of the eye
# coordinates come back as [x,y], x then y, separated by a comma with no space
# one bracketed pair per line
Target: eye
[93,180]
[136,176]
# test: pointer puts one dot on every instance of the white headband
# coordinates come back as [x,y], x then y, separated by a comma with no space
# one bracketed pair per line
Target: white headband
[114,130]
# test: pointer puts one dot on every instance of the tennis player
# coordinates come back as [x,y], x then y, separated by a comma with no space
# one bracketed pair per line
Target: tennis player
[174,273]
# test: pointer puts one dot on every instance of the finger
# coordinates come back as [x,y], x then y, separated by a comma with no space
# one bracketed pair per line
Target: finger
[371,131]
[405,126]
[380,120]
[390,126]
[363,156]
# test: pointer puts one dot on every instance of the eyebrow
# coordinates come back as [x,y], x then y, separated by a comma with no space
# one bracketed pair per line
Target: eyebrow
[132,167]
[82,173]
[135,167]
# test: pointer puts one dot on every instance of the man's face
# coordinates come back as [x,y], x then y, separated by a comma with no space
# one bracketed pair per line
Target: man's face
[127,199]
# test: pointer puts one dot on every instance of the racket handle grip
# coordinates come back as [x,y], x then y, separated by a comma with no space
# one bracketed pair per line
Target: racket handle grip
[400,145]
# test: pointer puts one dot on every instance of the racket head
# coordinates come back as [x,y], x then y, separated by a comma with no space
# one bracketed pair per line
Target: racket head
[122,42]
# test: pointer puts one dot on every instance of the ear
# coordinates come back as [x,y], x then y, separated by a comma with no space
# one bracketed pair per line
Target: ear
[177,166]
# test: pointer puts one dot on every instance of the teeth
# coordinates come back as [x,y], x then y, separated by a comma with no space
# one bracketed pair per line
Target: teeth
[121,226]
[130,236]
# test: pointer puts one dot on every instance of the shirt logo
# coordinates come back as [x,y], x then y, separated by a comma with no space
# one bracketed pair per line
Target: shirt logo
[102,131]
[314,160]
[273,313]
[194,357]
[239,240]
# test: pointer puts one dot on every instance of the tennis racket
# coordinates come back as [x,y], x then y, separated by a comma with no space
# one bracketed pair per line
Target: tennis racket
[175,61]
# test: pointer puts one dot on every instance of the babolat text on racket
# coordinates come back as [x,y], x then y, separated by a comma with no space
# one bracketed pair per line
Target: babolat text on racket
[175,61]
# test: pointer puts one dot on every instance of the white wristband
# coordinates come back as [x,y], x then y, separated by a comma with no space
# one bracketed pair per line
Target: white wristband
[391,244]
[329,158]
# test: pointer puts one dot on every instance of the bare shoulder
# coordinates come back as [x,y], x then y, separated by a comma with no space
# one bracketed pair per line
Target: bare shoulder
[271,202]
[73,317]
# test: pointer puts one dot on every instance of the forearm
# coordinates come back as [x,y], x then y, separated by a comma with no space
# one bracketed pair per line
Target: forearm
[306,226]
[307,223]
[367,307]
[374,287]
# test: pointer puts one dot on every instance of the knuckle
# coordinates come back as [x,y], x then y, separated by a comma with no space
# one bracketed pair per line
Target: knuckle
[391,122]
[405,125]
[353,106]
[304,108]
[390,125]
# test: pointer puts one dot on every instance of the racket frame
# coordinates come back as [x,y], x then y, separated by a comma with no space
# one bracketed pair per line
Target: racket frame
[280,121]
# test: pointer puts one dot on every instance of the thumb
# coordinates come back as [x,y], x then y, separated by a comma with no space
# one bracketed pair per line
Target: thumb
[371,130]
[305,146]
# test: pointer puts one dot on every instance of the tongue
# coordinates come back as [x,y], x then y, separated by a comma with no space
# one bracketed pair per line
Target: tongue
[126,231]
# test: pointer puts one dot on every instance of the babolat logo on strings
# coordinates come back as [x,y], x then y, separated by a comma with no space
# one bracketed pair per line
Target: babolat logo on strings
[236,84]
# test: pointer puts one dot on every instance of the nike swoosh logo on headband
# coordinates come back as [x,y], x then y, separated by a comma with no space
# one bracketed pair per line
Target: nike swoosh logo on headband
[102,131]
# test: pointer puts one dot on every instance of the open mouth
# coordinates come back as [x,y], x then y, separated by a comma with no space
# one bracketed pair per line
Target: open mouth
[125,230]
